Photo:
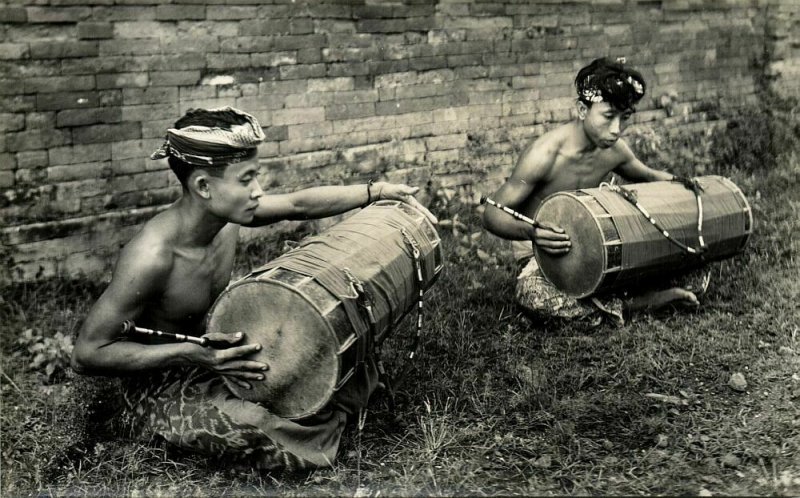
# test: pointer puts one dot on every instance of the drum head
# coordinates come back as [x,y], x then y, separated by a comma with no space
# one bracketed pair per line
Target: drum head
[296,342]
[580,271]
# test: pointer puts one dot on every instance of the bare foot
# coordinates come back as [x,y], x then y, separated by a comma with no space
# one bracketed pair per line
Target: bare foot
[658,299]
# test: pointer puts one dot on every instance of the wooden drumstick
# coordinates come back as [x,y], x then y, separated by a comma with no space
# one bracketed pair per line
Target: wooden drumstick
[129,327]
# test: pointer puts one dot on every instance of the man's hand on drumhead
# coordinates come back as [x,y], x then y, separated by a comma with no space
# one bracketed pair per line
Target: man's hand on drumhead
[400,192]
[228,361]
[552,239]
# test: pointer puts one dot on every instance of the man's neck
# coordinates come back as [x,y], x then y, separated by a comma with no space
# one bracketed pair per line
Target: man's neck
[197,227]
[579,140]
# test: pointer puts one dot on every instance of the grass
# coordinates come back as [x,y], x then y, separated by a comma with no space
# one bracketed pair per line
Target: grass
[496,403]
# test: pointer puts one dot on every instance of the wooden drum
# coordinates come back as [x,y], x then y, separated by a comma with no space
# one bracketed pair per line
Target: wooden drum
[308,307]
[615,246]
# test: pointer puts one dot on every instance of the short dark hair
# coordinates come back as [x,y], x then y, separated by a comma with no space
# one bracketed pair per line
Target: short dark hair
[183,170]
[604,80]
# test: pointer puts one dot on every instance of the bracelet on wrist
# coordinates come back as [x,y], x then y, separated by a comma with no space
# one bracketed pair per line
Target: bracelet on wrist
[369,193]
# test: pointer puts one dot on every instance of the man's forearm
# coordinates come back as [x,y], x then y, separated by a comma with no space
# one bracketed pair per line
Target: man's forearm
[124,358]
[506,226]
[320,202]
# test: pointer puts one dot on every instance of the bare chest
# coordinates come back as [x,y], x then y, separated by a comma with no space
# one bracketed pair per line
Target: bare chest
[196,280]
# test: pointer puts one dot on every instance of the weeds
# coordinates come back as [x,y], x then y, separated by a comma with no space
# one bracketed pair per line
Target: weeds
[495,403]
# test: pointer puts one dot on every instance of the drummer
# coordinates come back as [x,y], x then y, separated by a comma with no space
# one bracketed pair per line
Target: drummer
[170,273]
[576,155]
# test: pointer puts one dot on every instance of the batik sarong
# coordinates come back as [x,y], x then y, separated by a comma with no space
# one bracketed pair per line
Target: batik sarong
[193,408]
[535,294]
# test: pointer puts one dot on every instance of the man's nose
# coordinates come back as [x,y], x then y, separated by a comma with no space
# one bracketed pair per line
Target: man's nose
[257,190]
[615,126]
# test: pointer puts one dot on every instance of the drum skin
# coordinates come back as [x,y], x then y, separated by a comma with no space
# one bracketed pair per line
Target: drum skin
[307,338]
[615,247]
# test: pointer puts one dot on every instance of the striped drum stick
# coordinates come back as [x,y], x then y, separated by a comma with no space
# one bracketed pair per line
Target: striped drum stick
[515,214]
[128,327]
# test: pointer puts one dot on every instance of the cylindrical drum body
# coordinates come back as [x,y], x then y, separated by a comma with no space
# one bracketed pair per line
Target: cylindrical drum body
[614,246]
[308,307]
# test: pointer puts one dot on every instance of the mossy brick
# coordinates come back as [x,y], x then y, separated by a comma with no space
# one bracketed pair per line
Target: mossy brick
[122,80]
[77,100]
[13,51]
[71,172]
[478,23]
[63,49]
[175,62]
[106,64]
[95,30]
[37,139]
[273,59]
[13,15]
[157,128]
[275,27]
[309,56]
[29,159]
[384,67]
[77,154]
[341,84]
[143,29]
[227,61]
[130,46]
[349,111]
[58,14]
[348,69]
[174,78]
[106,133]
[149,112]
[412,105]
[302,71]
[230,12]
[52,84]
[297,42]
[298,116]
[183,44]
[129,149]
[8,161]
[81,117]
[197,92]
[152,95]
[11,122]
[7,178]
[123,13]
[247,44]
[310,130]
[180,12]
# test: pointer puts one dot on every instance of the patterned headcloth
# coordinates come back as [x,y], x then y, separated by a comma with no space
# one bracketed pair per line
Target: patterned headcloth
[212,137]
[608,81]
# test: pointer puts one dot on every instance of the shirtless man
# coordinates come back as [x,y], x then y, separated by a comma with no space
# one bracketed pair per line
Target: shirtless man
[168,276]
[576,155]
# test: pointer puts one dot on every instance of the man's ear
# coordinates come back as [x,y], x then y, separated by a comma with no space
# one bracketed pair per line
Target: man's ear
[199,183]
[583,110]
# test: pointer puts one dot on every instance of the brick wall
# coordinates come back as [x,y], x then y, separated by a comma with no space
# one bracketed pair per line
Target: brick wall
[445,92]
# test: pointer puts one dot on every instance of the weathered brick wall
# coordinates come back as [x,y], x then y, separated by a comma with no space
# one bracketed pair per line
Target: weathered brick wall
[422,90]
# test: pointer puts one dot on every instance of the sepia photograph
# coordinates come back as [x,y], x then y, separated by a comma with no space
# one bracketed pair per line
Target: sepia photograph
[379,248]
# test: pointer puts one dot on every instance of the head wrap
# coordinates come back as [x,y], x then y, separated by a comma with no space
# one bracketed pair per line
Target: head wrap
[212,137]
[607,81]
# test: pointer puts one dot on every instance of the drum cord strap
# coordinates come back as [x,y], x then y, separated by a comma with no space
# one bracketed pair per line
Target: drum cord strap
[692,185]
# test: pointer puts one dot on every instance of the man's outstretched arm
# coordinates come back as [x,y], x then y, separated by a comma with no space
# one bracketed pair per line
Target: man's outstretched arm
[321,202]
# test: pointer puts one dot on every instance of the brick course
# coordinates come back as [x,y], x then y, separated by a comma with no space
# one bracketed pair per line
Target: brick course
[345,89]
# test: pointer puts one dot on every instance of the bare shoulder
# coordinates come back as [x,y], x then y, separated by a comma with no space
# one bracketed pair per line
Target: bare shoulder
[622,150]
[540,154]
[147,259]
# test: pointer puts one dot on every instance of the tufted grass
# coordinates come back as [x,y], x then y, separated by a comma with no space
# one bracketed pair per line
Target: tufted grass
[496,403]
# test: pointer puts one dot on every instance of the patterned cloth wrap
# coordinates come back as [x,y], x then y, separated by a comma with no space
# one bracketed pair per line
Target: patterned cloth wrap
[536,294]
[193,409]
